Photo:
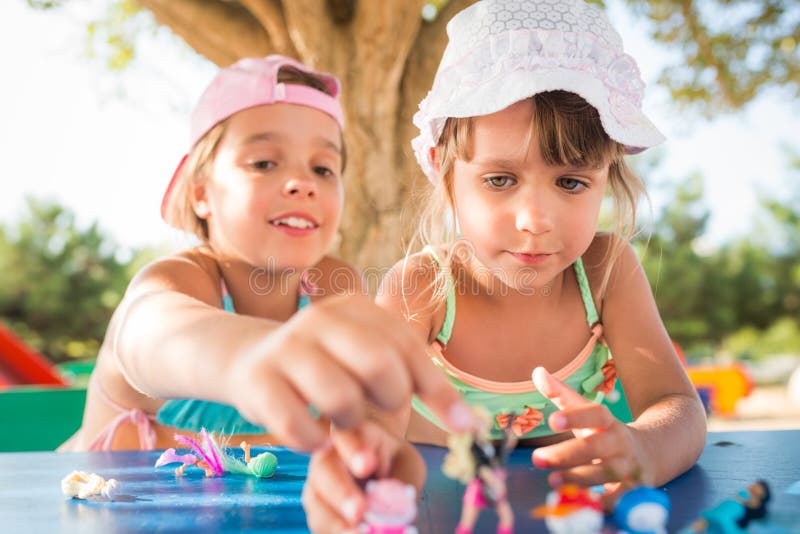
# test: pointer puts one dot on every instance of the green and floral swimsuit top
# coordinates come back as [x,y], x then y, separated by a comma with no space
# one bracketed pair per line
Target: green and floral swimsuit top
[592,373]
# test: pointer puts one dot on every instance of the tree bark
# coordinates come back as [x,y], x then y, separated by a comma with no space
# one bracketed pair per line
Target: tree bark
[385,56]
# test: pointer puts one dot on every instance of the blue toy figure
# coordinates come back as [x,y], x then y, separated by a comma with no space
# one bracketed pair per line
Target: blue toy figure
[732,516]
[642,510]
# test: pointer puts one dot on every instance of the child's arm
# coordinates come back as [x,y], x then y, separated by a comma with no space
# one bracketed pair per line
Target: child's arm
[332,497]
[669,429]
[172,341]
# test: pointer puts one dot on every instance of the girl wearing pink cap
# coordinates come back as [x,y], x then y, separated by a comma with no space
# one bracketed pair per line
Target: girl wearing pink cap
[520,296]
[256,327]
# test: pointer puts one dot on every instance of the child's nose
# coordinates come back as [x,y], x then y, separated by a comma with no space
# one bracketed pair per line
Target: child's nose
[534,217]
[300,187]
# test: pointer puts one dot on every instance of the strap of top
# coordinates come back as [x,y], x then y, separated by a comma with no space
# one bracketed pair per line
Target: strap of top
[446,331]
[586,293]
[227,301]
[141,420]
[303,298]
[450,305]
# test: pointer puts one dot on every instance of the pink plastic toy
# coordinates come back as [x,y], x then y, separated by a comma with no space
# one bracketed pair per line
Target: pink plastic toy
[391,507]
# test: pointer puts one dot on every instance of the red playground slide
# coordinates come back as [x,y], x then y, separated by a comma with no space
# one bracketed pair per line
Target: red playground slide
[20,365]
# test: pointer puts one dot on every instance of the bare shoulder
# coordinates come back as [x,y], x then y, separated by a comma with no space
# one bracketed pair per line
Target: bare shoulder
[192,272]
[409,288]
[413,276]
[333,276]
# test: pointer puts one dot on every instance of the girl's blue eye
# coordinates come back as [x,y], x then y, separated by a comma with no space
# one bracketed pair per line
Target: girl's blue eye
[570,184]
[499,181]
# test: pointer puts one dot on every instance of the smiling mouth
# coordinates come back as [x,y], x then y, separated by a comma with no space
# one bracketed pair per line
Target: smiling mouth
[300,223]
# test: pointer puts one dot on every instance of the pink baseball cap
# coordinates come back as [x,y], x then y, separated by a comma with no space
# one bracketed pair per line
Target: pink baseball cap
[252,82]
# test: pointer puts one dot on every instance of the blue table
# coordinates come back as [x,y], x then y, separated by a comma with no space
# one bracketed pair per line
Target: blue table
[157,501]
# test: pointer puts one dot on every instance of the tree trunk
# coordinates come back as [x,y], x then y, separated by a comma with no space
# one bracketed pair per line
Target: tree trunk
[385,56]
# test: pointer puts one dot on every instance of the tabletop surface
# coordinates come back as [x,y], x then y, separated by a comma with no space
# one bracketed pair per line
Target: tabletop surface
[155,500]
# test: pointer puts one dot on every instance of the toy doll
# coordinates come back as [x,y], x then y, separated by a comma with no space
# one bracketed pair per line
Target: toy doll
[479,464]
[732,516]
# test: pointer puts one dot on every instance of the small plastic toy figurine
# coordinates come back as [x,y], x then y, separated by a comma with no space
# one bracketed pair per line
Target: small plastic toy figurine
[263,465]
[642,510]
[732,516]
[84,485]
[207,456]
[212,459]
[571,509]
[474,461]
[391,507]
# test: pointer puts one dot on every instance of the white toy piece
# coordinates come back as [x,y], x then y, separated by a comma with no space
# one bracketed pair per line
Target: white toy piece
[84,485]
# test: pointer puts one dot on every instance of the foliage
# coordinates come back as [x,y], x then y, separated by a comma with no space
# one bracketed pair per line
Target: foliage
[782,337]
[113,36]
[743,296]
[45,4]
[728,51]
[59,284]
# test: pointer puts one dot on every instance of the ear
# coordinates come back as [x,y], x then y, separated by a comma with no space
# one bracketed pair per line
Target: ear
[434,156]
[199,198]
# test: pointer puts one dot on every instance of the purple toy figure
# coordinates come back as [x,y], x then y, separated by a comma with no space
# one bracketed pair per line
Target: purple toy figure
[391,507]
[481,466]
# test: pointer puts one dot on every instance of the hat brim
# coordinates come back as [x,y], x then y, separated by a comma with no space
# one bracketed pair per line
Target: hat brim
[627,125]
[166,198]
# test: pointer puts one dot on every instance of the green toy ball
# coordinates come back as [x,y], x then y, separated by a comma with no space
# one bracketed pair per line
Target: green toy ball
[263,465]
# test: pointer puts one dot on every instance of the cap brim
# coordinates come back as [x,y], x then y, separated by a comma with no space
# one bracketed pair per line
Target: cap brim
[170,187]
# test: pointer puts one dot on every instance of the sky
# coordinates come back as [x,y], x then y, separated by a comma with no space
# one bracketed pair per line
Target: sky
[105,143]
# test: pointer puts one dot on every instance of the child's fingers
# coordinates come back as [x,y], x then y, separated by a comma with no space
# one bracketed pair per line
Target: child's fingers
[330,388]
[587,416]
[277,405]
[609,470]
[585,475]
[577,451]
[321,516]
[370,350]
[562,395]
[363,453]
[424,378]
[332,484]
[389,360]
[438,394]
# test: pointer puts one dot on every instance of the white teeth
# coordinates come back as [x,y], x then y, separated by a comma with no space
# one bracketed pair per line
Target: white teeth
[295,222]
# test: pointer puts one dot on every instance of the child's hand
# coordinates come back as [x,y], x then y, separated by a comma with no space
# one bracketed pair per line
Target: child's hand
[332,497]
[603,451]
[335,355]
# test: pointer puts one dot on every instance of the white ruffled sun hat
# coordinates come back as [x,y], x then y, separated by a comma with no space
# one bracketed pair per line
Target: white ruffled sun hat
[503,51]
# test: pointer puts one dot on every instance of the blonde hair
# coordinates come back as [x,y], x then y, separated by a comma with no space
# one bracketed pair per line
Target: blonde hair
[569,132]
[179,211]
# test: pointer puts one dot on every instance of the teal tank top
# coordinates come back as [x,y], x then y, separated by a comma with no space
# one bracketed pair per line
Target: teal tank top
[591,373]
[192,415]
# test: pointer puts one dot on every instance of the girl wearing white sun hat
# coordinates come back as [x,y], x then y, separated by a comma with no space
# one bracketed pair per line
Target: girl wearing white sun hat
[532,111]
